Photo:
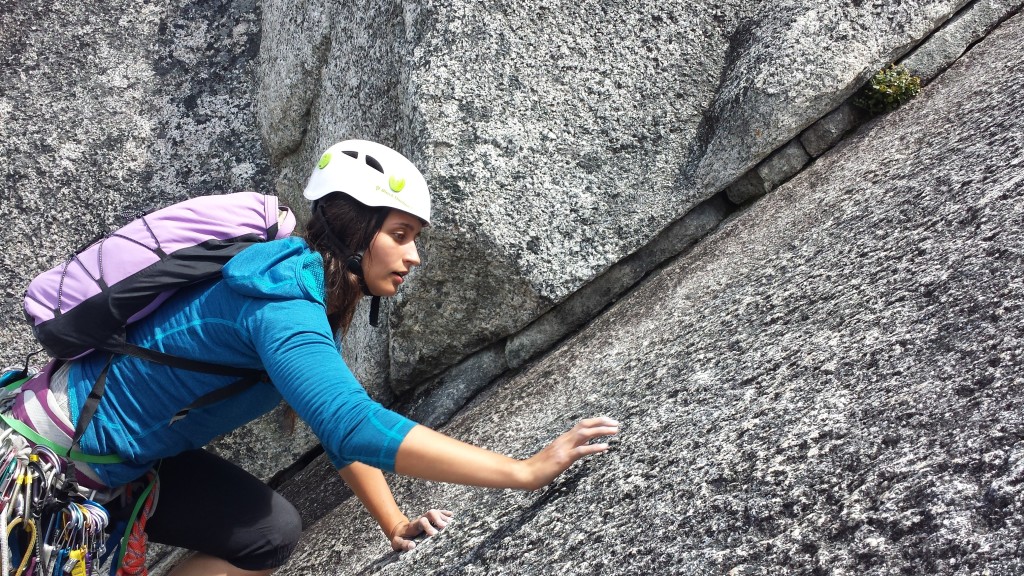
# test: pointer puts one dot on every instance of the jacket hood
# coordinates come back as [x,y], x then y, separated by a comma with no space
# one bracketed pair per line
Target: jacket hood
[277,270]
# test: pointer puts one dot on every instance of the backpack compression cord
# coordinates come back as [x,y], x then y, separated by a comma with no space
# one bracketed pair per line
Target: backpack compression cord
[86,302]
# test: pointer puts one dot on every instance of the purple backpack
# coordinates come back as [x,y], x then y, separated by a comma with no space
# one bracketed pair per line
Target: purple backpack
[86,302]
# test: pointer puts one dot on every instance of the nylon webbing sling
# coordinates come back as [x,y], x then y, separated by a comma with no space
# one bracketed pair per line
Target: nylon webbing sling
[37,438]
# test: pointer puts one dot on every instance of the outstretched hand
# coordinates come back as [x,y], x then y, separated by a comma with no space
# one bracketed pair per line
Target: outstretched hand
[565,450]
[431,455]
[430,523]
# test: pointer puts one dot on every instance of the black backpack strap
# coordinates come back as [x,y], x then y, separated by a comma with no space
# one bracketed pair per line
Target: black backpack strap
[92,402]
[236,387]
[179,362]
[249,378]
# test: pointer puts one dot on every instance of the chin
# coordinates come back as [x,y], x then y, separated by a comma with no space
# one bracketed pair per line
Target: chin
[385,291]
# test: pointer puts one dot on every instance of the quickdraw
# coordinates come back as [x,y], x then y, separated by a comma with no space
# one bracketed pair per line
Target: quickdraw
[48,527]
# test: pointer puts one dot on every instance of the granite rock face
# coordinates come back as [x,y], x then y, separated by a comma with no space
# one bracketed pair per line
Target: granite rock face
[556,149]
[828,384]
[558,138]
[956,36]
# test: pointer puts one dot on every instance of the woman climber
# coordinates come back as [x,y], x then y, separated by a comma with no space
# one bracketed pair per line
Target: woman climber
[277,309]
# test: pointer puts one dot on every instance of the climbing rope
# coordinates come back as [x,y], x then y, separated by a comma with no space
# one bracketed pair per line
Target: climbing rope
[133,562]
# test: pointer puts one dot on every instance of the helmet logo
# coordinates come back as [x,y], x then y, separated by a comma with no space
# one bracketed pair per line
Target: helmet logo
[396,183]
[324,160]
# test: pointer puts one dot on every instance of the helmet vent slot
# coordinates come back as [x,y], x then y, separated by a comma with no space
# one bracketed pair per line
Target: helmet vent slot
[373,163]
[351,153]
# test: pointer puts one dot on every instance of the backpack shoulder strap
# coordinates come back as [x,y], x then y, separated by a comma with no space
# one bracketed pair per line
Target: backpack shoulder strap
[129,349]
[236,387]
[249,378]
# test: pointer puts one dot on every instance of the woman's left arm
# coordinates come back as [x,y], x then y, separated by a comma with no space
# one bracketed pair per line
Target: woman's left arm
[431,455]
[370,486]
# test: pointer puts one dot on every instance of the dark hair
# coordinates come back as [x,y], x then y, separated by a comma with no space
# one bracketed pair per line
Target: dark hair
[339,228]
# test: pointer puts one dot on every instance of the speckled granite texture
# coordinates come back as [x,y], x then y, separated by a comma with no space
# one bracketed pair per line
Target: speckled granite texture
[829,384]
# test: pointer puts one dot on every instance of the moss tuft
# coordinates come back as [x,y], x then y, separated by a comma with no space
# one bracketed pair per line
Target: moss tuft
[888,89]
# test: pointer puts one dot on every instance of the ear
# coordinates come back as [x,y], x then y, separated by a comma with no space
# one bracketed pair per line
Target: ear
[355,265]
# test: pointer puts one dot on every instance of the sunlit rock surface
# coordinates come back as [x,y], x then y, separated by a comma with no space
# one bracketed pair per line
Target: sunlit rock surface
[829,384]
[559,138]
[112,109]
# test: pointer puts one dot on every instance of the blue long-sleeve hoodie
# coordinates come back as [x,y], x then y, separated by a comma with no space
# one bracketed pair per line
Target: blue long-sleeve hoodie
[267,312]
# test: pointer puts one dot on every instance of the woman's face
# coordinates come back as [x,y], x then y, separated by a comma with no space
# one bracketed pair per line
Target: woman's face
[392,253]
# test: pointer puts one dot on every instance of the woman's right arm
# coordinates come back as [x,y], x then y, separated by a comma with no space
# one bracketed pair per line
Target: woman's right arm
[369,485]
[431,455]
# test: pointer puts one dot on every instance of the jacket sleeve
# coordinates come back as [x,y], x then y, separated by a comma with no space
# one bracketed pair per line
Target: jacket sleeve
[295,344]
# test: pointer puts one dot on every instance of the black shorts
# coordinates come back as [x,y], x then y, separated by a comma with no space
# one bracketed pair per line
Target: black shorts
[210,505]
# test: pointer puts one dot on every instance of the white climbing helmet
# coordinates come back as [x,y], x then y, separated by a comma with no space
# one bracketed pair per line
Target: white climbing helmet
[372,174]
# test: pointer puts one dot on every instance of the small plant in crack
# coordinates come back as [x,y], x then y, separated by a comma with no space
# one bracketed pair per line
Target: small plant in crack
[888,89]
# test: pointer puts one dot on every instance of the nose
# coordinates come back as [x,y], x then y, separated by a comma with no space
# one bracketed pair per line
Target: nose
[412,256]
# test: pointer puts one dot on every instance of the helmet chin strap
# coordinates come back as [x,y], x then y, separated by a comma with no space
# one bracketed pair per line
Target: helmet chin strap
[353,263]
